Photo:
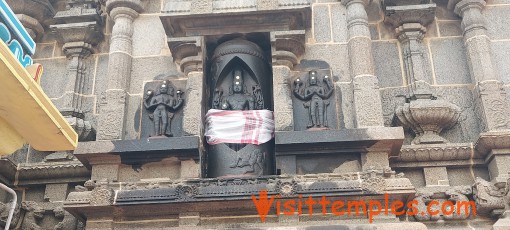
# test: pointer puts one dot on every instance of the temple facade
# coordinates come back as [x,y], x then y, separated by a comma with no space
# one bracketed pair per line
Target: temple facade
[264,114]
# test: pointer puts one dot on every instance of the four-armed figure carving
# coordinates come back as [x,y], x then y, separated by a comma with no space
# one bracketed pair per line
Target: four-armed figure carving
[162,105]
[238,98]
[316,97]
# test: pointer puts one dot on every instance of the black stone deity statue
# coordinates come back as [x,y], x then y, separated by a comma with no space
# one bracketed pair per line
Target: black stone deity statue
[162,105]
[316,98]
[240,80]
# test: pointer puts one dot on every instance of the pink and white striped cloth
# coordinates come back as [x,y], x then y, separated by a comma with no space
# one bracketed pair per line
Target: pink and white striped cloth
[239,126]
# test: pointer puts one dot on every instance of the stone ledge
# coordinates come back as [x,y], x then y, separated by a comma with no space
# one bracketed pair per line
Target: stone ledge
[489,141]
[138,151]
[380,139]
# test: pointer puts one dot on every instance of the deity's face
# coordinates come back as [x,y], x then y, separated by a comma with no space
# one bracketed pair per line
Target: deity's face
[164,88]
[313,78]
[237,83]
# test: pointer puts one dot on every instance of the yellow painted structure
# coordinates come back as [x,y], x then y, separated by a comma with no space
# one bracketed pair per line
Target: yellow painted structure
[26,113]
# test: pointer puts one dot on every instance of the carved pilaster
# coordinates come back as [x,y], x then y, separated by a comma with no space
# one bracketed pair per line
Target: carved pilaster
[287,49]
[426,115]
[79,28]
[490,96]
[188,55]
[123,13]
[367,99]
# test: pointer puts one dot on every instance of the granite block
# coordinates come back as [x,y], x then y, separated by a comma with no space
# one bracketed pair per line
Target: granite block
[450,62]
[387,64]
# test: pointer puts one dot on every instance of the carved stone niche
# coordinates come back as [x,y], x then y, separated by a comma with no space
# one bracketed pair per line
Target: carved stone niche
[313,97]
[240,79]
[162,105]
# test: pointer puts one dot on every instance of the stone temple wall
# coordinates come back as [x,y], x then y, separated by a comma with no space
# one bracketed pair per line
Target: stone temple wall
[96,74]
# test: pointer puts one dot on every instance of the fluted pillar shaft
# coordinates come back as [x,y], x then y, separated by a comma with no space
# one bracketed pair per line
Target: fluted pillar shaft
[113,101]
[367,99]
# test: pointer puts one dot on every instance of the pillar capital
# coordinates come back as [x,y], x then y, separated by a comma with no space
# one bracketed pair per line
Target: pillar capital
[413,31]
[349,2]
[461,6]
[129,7]
[287,47]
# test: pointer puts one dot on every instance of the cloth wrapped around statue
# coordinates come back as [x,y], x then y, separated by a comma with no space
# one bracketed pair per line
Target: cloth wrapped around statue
[239,126]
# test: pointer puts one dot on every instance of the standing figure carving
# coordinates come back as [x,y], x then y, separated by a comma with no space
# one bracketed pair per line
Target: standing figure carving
[162,105]
[316,97]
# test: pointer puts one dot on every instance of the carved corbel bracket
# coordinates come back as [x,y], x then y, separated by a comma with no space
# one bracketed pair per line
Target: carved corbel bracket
[34,15]
[397,15]
[187,53]
[287,47]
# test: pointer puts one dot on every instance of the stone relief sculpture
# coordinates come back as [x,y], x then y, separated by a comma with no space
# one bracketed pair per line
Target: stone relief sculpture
[488,196]
[240,81]
[67,221]
[316,97]
[33,215]
[455,195]
[162,104]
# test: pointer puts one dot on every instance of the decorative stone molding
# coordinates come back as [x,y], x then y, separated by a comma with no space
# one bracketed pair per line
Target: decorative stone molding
[489,141]
[287,47]
[221,6]
[442,152]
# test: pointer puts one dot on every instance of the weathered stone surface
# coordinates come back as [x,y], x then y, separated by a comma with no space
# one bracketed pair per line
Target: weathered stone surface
[387,64]
[53,80]
[148,69]
[436,176]
[56,192]
[338,22]
[450,28]
[335,55]
[192,112]
[321,23]
[133,117]
[367,99]
[44,50]
[500,54]
[283,108]
[499,26]
[345,109]
[450,62]
[148,36]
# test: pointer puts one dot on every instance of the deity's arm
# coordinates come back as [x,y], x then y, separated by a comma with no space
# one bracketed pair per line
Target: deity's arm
[328,90]
[179,103]
[297,90]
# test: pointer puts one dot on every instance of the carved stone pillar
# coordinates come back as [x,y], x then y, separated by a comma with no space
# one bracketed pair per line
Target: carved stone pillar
[287,48]
[367,99]
[491,100]
[112,109]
